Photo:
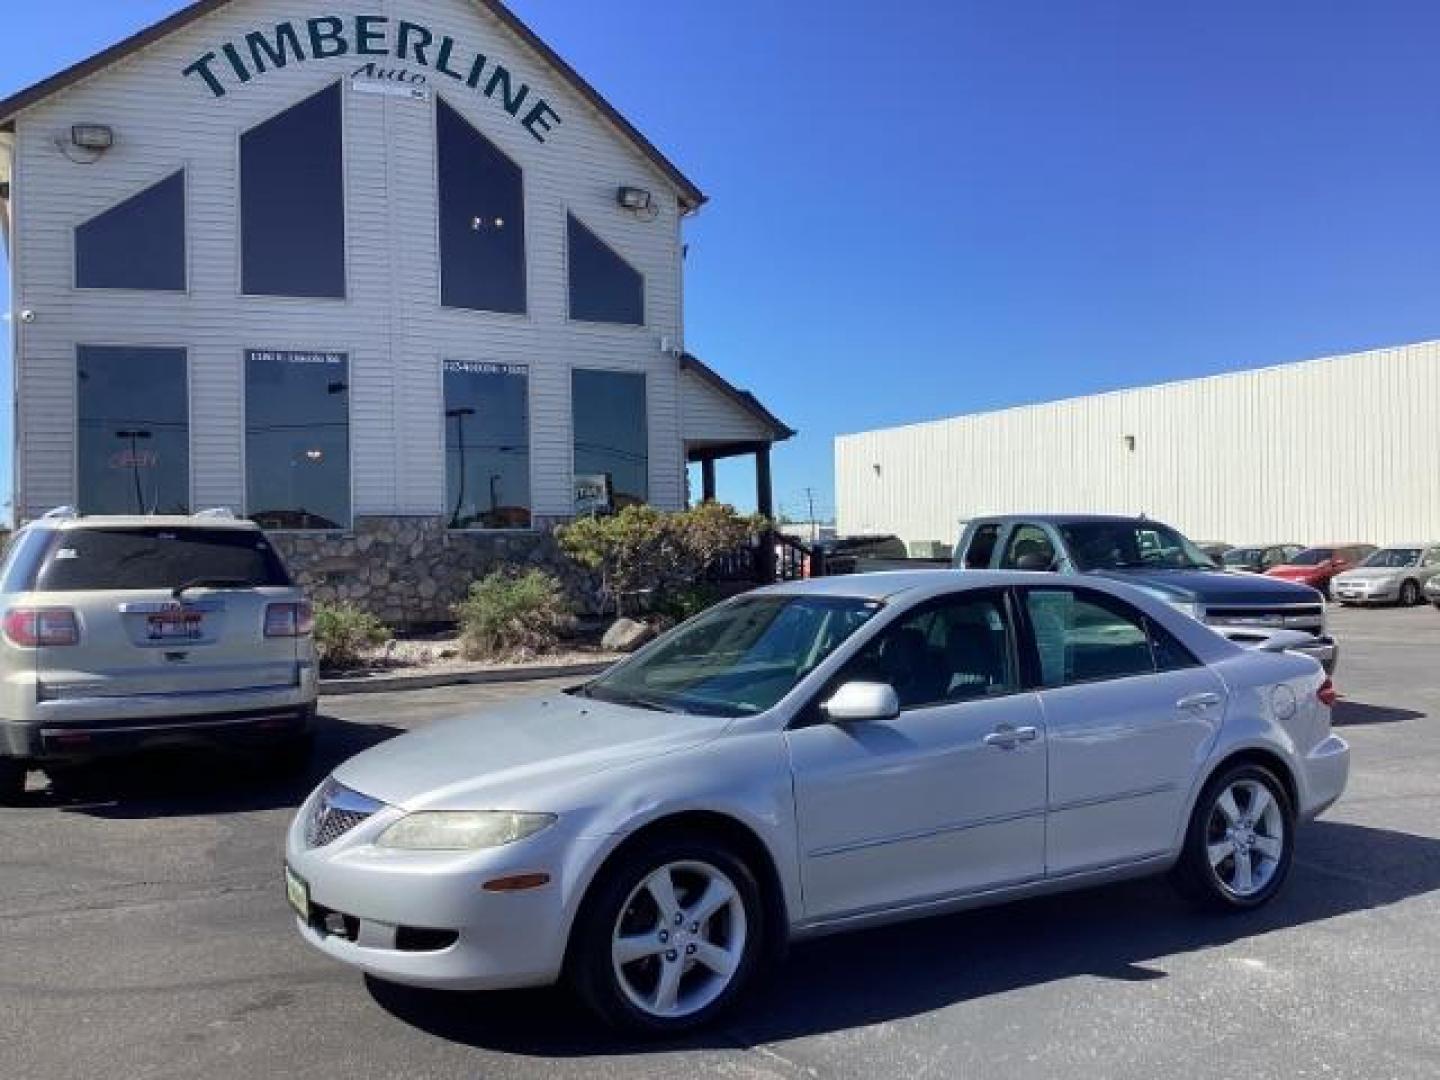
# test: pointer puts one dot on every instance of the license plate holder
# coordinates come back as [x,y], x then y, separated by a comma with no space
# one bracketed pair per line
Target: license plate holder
[297,892]
[175,626]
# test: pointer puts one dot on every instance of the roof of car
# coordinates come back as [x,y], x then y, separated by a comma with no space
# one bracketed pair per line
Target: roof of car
[141,521]
[1067,519]
[886,584]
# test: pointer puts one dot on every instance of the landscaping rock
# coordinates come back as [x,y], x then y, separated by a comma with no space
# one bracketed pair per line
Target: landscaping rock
[626,635]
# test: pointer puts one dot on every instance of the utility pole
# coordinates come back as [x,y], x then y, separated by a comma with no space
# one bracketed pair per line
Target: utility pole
[810,501]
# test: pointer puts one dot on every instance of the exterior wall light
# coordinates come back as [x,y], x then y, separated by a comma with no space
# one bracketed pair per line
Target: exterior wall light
[96,137]
[1130,443]
[634,198]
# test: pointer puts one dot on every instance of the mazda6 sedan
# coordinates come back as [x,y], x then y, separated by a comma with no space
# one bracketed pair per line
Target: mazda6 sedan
[809,758]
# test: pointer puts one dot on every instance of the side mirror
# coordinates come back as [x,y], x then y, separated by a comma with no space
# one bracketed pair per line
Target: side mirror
[1034,561]
[860,701]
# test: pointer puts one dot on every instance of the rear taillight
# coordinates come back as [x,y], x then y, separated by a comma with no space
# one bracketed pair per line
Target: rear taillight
[289,620]
[1327,694]
[31,628]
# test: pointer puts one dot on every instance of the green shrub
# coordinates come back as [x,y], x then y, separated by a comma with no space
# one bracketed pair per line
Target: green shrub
[343,632]
[680,604]
[512,615]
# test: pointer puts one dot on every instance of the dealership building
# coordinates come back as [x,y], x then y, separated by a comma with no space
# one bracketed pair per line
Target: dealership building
[388,277]
[1339,449]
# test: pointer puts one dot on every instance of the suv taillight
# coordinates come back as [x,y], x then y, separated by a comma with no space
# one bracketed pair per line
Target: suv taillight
[1327,694]
[289,620]
[32,627]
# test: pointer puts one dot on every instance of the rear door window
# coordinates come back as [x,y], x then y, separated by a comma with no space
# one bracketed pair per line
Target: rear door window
[982,547]
[1030,548]
[1084,637]
[153,557]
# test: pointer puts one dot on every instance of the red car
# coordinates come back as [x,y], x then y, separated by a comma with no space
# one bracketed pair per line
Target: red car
[1315,566]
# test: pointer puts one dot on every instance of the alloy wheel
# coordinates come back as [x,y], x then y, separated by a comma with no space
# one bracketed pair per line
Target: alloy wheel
[679,939]
[1245,838]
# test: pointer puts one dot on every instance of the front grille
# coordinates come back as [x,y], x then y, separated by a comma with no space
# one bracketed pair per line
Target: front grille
[1308,617]
[337,810]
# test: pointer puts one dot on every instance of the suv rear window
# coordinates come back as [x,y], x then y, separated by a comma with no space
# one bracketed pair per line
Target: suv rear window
[154,557]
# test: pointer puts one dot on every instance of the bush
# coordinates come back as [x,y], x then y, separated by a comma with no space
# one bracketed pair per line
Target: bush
[644,552]
[343,632]
[680,604]
[512,616]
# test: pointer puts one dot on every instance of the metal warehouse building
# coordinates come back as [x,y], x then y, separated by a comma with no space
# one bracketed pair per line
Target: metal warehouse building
[387,276]
[1343,448]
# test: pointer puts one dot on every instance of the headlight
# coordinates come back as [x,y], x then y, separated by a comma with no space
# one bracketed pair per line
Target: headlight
[462,830]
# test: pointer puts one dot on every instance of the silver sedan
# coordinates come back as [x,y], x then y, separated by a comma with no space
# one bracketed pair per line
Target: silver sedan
[1397,574]
[812,758]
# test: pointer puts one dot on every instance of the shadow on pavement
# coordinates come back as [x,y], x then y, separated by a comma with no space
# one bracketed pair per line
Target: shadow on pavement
[194,781]
[843,982]
[1355,714]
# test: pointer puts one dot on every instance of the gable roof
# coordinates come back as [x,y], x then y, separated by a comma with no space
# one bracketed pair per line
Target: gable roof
[691,197]
[778,430]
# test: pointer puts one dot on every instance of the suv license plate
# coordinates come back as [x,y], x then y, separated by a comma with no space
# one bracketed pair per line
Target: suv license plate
[298,893]
[183,626]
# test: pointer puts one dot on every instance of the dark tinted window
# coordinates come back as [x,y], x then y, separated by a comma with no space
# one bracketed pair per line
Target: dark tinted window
[1170,655]
[487,446]
[612,443]
[157,558]
[139,244]
[482,219]
[1081,638]
[297,439]
[949,652]
[292,202]
[1312,557]
[133,442]
[603,286]
[982,547]
[1120,545]
[1243,556]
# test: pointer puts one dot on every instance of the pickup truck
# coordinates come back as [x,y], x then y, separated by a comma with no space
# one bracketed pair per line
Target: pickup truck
[1244,607]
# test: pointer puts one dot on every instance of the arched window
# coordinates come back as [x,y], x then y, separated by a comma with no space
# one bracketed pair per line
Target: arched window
[139,244]
[292,201]
[603,286]
[482,219]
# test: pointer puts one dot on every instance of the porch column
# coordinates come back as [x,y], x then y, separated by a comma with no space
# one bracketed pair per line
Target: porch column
[707,479]
[764,492]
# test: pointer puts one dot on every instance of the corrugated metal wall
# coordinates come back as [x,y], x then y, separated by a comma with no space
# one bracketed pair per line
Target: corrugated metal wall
[1335,449]
[391,323]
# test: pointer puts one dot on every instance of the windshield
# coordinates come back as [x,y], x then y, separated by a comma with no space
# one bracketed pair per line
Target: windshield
[1394,558]
[155,557]
[1243,556]
[1142,545]
[737,659]
[1313,557]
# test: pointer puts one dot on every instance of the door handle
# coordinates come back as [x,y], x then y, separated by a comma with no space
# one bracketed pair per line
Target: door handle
[1007,737]
[1195,702]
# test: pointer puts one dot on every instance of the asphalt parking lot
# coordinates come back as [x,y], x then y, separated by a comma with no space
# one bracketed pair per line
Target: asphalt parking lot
[145,934]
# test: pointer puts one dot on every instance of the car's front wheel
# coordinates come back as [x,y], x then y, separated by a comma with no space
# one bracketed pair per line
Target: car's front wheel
[1240,841]
[669,936]
[1409,594]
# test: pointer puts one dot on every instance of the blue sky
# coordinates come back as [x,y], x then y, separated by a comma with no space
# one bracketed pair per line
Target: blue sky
[928,208]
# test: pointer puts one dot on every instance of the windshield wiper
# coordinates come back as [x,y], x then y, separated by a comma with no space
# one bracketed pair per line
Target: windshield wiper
[210,583]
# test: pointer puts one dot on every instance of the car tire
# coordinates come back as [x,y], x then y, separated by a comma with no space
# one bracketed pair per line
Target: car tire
[666,990]
[12,781]
[1409,594]
[1234,858]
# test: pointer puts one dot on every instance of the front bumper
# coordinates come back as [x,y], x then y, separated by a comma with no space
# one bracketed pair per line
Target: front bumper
[371,905]
[1366,594]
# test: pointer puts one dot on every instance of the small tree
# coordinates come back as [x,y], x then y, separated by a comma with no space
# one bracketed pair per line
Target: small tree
[343,632]
[512,615]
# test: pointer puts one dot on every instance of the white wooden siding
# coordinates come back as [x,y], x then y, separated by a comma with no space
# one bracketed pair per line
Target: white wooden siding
[391,323]
[1346,448]
[710,416]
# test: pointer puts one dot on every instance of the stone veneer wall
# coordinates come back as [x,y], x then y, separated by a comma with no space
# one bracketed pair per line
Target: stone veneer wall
[412,570]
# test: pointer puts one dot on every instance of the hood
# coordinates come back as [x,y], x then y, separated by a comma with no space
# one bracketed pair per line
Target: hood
[1215,586]
[1375,573]
[517,748]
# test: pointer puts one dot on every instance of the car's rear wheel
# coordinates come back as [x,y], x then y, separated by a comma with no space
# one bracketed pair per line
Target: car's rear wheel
[1240,842]
[1409,594]
[12,781]
[669,936]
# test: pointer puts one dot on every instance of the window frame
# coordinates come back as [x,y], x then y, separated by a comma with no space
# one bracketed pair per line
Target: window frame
[570,317]
[349,354]
[188,257]
[530,448]
[185,351]
[1114,605]
[528,233]
[347,298]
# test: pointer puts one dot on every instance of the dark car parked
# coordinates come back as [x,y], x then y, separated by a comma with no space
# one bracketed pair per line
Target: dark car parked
[843,554]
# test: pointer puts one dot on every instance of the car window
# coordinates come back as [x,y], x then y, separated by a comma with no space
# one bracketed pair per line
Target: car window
[1432,557]
[23,556]
[951,651]
[982,547]
[155,557]
[1168,651]
[1083,637]
[1029,549]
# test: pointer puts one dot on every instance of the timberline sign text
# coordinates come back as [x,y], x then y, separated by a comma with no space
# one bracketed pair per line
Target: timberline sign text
[329,37]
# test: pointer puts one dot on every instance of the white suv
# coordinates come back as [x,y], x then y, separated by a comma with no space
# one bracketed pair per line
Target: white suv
[118,633]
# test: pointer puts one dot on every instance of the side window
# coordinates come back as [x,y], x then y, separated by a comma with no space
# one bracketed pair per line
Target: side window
[138,244]
[1432,558]
[954,651]
[1169,653]
[1083,638]
[1029,549]
[603,286]
[982,547]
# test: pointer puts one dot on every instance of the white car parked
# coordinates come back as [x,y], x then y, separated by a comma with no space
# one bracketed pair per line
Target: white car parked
[1395,574]
[809,758]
